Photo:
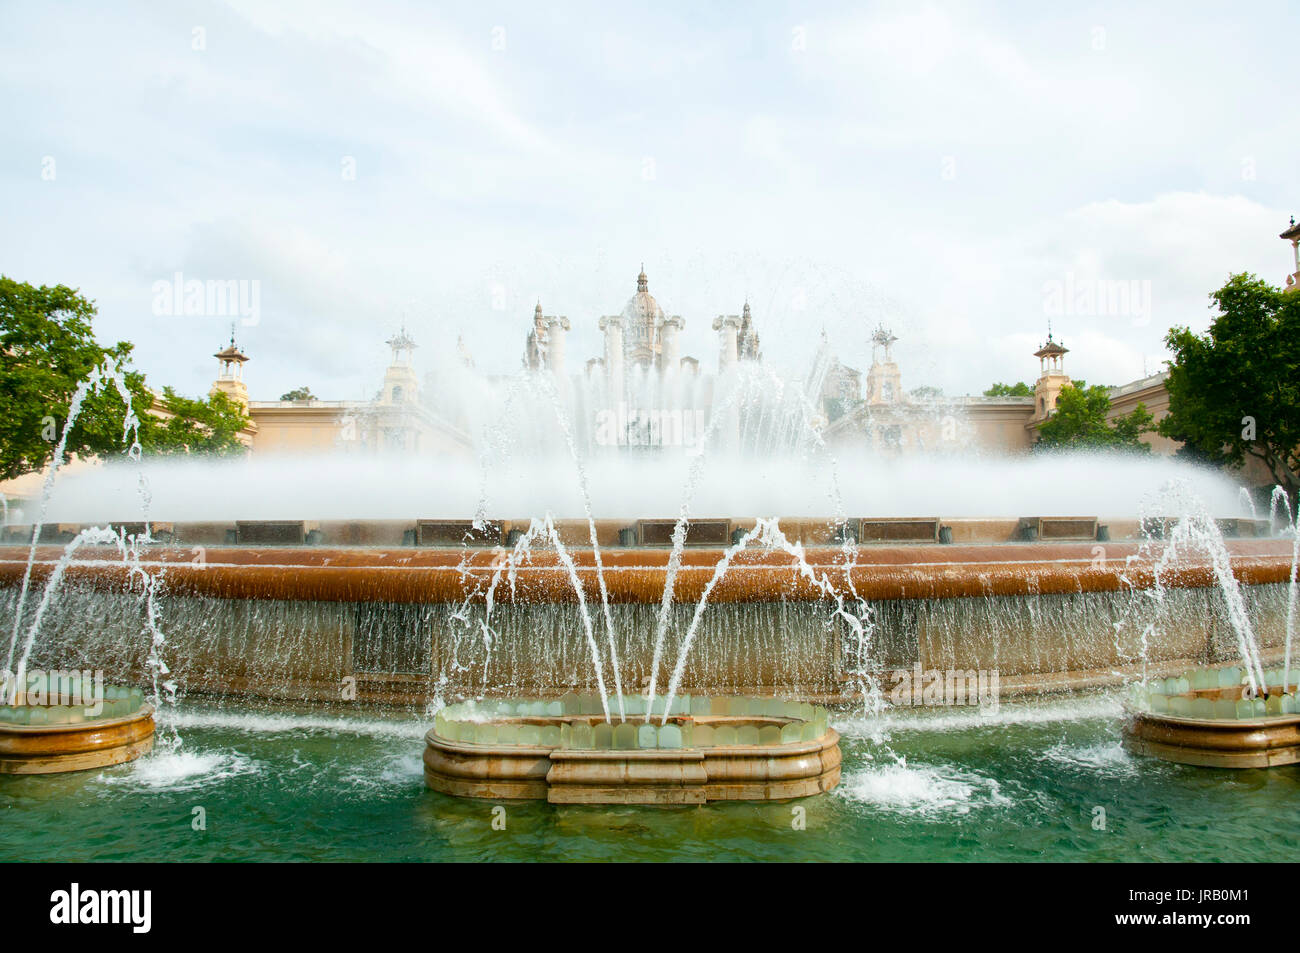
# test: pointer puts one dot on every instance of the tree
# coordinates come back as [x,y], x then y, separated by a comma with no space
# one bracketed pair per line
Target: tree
[47,349]
[1079,422]
[1234,392]
[1019,389]
[208,426]
[299,393]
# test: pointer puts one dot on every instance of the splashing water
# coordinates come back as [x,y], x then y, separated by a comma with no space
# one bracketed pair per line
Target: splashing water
[679,528]
[1280,500]
[767,532]
[1196,532]
[129,549]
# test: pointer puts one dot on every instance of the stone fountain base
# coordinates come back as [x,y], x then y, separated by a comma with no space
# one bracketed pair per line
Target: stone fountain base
[1207,718]
[752,750]
[1249,743]
[50,749]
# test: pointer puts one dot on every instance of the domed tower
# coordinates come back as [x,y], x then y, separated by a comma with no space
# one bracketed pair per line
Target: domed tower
[642,321]
[230,378]
[1052,377]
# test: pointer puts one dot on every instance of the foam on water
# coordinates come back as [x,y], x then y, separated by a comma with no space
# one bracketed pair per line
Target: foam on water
[1105,759]
[181,770]
[394,775]
[386,726]
[921,790]
[1034,712]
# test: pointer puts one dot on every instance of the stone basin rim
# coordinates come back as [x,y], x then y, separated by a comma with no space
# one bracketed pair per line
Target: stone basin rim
[1226,724]
[145,710]
[432,737]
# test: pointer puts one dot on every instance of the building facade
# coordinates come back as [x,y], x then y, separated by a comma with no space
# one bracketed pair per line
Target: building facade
[397,420]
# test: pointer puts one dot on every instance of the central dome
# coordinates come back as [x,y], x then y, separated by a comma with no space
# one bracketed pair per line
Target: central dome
[642,320]
[642,308]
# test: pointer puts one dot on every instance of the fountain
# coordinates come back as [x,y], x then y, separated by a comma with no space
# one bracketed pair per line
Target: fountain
[68,722]
[667,629]
[1212,717]
[1227,716]
[564,751]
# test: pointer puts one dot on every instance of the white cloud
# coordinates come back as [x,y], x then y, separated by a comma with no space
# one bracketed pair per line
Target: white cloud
[811,181]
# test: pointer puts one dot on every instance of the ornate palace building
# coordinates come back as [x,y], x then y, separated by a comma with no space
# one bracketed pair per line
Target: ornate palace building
[396,420]
[640,342]
[642,356]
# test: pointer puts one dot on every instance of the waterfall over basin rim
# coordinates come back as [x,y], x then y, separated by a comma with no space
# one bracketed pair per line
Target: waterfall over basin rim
[638,575]
[408,625]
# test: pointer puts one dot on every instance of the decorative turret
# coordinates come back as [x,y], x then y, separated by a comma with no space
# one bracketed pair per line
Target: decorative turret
[1052,376]
[747,344]
[1292,235]
[544,349]
[230,378]
[401,386]
[884,381]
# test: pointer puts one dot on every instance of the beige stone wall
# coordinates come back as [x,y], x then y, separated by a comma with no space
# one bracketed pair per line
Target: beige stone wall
[999,427]
[327,426]
[297,427]
[1151,393]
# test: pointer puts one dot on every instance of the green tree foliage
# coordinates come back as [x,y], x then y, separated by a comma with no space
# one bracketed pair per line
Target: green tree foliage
[183,425]
[48,348]
[1079,422]
[1234,392]
[1018,389]
[299,393]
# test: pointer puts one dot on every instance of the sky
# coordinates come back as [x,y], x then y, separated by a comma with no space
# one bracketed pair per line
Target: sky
[963,174]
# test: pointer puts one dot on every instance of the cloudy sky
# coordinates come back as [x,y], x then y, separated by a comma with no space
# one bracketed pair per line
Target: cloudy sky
[962,173]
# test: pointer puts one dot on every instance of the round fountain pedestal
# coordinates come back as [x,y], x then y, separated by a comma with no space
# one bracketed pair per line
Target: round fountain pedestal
[50,749]
[689,773]
[1212,743]
[1215,718]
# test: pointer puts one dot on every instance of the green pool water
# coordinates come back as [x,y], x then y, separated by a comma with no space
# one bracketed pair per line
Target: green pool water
[1024,784]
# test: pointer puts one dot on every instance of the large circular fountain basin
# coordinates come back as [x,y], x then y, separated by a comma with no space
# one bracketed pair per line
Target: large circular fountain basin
[50,749]
[751,750]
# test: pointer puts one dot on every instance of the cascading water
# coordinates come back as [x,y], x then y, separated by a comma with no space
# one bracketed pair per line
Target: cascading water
[1279,501]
